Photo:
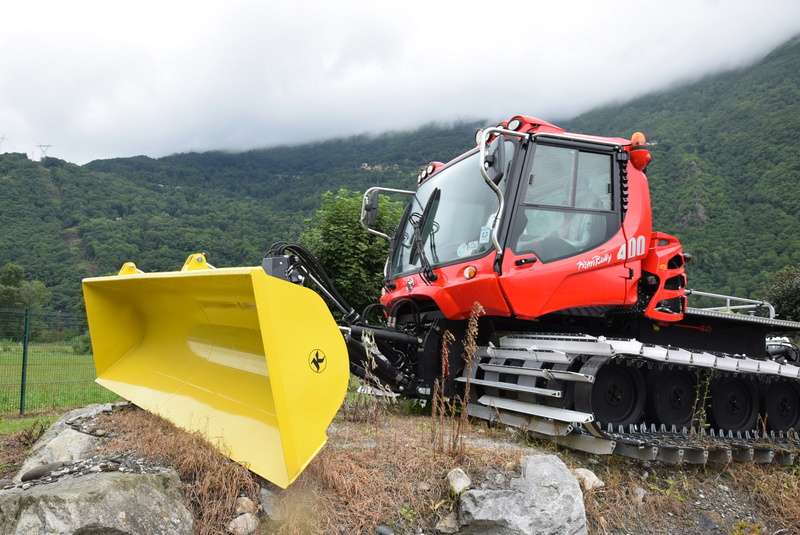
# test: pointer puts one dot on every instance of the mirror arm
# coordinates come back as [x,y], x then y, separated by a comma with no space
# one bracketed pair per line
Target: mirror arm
[369,211]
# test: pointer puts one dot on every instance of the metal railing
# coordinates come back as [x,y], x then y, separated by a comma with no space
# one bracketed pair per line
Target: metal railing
[46,362]
[754,306]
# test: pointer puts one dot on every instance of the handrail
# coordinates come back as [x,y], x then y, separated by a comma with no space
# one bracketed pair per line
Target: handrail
[752,303]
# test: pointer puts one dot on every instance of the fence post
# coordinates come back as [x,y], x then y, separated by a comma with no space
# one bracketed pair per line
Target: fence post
[25,339]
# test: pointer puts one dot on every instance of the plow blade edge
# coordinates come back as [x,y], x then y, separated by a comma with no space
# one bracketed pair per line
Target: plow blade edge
[254,363]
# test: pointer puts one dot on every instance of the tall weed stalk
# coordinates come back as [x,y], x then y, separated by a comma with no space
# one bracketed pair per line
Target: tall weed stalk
[451,414]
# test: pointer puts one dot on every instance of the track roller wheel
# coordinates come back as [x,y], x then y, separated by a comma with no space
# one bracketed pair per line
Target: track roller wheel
[671,396]
[780,405]
[733,404]
[617,395]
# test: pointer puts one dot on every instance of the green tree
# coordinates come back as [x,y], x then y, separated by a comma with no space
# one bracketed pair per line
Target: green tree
[15,292]
[10,282]
[12,276]
[784,293]
[33,295]
[353,258]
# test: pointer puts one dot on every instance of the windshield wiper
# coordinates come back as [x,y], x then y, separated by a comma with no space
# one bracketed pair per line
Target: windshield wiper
[420,224]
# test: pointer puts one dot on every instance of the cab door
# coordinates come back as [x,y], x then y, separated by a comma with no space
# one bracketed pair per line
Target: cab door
[562,247]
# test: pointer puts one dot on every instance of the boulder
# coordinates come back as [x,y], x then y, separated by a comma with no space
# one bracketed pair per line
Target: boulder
[106,502]
[546,500]
[61,443]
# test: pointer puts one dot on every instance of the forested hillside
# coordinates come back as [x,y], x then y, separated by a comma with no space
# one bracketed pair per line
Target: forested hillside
[62,222]
[725,179]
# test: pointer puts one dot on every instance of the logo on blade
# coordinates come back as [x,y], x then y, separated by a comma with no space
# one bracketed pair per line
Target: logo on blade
[317,361]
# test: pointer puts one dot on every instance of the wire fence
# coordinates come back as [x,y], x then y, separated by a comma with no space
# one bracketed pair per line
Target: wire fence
[46,362]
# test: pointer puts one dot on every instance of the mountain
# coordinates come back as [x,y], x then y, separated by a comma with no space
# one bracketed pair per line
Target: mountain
[725,179]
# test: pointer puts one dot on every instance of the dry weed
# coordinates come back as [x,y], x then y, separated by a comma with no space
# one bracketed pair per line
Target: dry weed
[210,481]
[30,435]
[388,473]
[384,477]
[628,500]
[776,491]
[441,407]
[390,470]
[455,409]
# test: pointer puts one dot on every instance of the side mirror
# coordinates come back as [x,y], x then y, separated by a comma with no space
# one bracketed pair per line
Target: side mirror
[372,208]
[369,208]
[494,161]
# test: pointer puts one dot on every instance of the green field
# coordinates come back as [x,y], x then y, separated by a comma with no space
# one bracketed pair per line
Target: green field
[56,378]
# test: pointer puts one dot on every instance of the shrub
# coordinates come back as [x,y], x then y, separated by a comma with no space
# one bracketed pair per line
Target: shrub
[82,344]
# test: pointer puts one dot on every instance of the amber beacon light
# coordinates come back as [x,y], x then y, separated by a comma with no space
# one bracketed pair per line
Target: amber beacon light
[640,156]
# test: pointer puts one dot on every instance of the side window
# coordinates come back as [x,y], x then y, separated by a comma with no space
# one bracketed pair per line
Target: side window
[551,179]
[569,178]
[567,207]
[593,181]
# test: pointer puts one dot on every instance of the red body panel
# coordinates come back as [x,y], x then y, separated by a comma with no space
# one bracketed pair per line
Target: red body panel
[595,278]
[453,293]
[665,260]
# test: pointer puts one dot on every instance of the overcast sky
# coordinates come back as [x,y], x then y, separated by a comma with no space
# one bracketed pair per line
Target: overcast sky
[101,79]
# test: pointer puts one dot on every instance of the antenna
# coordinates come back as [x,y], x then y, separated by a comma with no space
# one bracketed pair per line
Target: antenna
[43,148]
[2,138]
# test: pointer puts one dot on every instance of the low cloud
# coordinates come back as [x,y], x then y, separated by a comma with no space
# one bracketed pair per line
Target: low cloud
[99,80]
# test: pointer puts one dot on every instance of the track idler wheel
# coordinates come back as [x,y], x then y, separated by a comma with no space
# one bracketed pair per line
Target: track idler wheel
[733,404]
[671,397]
[780,405]
[617,395]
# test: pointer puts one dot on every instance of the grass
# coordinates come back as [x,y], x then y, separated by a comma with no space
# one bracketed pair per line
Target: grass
[14,424]
[56,377]
[777,493]
[17,435]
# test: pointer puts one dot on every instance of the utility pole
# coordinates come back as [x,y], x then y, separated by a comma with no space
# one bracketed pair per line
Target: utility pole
[43,148]
[2,138]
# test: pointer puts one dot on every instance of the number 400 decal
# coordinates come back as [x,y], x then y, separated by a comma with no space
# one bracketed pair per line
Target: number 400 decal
[634,247]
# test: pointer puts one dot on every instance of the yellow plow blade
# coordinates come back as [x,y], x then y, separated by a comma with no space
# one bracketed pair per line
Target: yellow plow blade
[254,363]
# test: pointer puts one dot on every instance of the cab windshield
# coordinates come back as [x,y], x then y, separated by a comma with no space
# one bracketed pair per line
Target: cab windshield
[453,212]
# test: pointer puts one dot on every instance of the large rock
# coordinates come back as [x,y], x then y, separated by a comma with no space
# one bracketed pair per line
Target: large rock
[546,500]
[68,490]
[61,443]
[109,502]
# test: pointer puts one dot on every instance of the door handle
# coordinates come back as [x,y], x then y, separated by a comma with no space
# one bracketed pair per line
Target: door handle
[525,261]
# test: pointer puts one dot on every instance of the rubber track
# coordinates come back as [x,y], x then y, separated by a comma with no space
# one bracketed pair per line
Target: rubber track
[530,356]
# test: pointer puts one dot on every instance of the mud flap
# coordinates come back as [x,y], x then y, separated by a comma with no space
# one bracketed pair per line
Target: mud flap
[254,363]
